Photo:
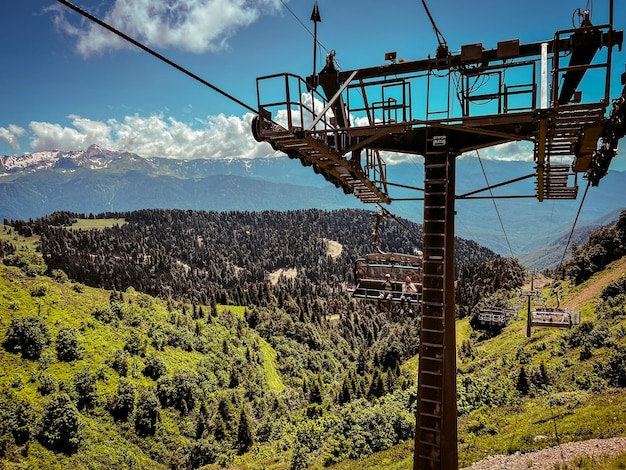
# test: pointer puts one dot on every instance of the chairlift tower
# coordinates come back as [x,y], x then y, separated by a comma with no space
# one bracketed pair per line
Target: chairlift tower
[340,122]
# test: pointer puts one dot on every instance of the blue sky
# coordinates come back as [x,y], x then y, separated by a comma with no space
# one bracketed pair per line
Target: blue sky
[65,84]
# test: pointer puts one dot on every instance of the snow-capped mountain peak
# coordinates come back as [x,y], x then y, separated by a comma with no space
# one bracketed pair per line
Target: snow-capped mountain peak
[94,157]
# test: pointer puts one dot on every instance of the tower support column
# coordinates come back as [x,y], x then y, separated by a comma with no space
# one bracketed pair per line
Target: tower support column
[436,427]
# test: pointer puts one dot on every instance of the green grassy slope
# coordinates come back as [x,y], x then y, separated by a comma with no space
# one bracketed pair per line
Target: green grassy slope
[104,441]
[573,401]
[574,389]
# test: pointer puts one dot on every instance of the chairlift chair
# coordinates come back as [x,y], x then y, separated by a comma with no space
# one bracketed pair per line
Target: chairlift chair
[554,317]
[370,275]
[494,317]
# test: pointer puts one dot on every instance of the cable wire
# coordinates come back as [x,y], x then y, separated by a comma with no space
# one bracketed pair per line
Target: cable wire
[494,204]
[303,25]
[394,217]
[571,234]
[154,53]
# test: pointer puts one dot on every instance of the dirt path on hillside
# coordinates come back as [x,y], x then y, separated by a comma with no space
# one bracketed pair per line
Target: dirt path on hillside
[548,459]
[594,286]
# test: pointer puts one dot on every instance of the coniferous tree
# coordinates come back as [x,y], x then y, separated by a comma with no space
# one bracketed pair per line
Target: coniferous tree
[345,394]
[244,433]
[315,393]
[377,385]
[522,385]
[220,429]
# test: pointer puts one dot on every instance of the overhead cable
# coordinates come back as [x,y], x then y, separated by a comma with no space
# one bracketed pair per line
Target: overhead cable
[303,25]
[154,53]
[442,50]
[495,205]
[386,212]
[571,234]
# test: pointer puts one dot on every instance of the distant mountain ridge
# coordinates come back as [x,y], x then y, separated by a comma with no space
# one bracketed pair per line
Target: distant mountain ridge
[100,180]
[96,158]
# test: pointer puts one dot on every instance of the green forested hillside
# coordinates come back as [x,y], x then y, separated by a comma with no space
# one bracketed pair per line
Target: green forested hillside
[93,378]
[223,257]
[109,378]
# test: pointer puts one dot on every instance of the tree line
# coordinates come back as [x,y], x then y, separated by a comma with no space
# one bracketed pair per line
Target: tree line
[604,246]
[223,257]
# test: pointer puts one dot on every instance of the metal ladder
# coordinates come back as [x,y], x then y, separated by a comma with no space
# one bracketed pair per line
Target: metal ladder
[435,392]
[563,133]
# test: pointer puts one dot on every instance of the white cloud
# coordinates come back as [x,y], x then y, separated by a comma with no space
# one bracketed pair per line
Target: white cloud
[218,136]
[155,136]
[517,151]
[11,136]
[47,136]
[193,25]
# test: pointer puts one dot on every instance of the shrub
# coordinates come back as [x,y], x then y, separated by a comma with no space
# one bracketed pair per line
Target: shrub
[85,387]
[123,403]
[30,262]
[47,384]
[615,370]
[17,420]
[155,368]
[59,275]
[135,344]
[104,313]
[179,391]
[59,428]
[40,290]
[467,352]
[479,427]
[28,335]
[613,289]
[119,362]
[67,346]
[147,413]
[203,452]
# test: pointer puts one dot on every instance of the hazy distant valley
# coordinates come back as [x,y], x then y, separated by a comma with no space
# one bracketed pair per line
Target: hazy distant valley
[99,180]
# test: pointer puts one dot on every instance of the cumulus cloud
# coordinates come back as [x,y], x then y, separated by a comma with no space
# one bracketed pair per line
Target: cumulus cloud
[218,136]
[11,136]
[511,152]
[193,25]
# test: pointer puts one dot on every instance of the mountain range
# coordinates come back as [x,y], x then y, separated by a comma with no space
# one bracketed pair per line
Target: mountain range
[100,180]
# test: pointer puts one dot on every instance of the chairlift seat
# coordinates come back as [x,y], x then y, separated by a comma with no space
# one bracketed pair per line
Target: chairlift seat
[495,316]
[370,274]
[554,317]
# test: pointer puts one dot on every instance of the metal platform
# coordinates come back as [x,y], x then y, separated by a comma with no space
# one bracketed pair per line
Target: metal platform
[341,127]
